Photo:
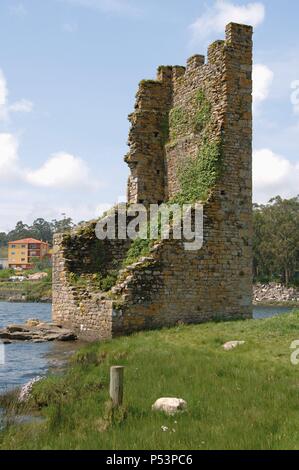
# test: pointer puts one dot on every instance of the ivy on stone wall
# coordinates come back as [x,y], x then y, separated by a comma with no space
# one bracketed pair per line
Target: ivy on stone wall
[203,113]
[198,176]
[182,122]
[178,122]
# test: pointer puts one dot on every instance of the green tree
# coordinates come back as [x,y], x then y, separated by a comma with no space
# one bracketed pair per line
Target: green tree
[43,230]
[63,225]
[276,240]
[20,231]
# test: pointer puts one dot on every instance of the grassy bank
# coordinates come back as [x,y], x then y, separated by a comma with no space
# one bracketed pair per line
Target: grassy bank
[244,399]
[31,291]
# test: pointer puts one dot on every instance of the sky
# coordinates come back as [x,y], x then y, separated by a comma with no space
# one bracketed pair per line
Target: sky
[69,71]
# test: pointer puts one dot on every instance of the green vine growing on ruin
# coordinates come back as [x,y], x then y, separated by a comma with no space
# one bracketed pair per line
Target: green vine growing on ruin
[182,122]
[203,113]
[178,122]
[137,250]
[102,282]
[198,176]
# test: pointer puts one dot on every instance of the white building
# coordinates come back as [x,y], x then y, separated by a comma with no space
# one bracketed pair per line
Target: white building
[3,263]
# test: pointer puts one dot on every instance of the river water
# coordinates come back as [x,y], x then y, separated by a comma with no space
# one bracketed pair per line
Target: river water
[23,360]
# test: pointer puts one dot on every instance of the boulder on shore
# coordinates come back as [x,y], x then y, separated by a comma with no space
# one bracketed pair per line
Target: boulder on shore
[273,293]
[37,332]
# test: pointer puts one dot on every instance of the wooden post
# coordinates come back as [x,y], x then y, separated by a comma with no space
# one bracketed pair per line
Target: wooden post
[117,384]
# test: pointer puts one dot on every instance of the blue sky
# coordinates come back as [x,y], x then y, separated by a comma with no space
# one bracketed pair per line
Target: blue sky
[69,74]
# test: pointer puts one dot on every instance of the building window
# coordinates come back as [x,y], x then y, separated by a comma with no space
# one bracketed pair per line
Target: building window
[23,246]
[13,252]
[23,259]
[13,246]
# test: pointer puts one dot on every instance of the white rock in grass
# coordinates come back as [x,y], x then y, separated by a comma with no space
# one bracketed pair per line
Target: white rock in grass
[170,405]
[232,345]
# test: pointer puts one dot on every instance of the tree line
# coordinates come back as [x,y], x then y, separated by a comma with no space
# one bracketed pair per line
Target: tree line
[276,241]
[41,229]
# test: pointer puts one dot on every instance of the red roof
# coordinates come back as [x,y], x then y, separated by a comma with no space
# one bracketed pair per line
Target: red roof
[27,240]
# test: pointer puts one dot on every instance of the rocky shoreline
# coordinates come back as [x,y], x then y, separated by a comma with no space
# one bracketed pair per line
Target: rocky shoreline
[275,294]
[36,331]
[24,299]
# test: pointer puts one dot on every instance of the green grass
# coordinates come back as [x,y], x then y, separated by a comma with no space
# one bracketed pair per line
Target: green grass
[36,290]
[244,399]
[6,274]
[33,290]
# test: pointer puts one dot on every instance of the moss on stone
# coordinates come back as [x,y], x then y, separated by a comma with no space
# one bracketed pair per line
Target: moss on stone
[149,82]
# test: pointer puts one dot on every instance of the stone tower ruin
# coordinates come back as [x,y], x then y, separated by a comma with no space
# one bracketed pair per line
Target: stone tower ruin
[190,140]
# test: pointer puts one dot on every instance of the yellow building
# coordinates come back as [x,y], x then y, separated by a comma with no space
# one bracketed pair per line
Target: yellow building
[22,253]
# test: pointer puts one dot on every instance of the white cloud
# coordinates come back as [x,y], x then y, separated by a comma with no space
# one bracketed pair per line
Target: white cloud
[262,80]
[8,157]
[27,205]
[62,170]
[109,6]
[215,18]
[22,106]
[273,175]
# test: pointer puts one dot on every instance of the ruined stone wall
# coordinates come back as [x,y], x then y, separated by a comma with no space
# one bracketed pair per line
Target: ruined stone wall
[148,134]
[79,307]
[177,120]
[78,259]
